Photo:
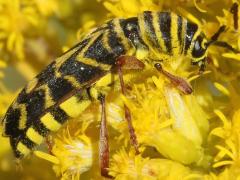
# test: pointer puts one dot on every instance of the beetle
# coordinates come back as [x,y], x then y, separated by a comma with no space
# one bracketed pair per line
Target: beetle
[61,90]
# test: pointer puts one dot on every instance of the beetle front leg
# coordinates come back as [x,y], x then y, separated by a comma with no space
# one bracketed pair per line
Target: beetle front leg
[179,82]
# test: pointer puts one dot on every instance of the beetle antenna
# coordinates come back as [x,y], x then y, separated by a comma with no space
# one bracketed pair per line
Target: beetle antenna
[234,11]
[226,45]
[214,40]
[215,37]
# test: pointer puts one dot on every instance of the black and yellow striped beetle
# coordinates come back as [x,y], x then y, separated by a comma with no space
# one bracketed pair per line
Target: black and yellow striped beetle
[55,94]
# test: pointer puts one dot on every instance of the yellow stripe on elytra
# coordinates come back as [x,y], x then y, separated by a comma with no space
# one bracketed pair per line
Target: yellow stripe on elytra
[34,136]
[23,149]
[60,60]
[92,40]
[158,32]
[174,34]
[23,116]
[94,63]
[120,34]
[48,98]
[31,85]
[50,122]
[63,58]
[105,41]
[74,107]
[75,83]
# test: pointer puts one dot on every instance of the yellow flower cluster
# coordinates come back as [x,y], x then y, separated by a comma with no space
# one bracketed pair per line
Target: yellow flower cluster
[187,137]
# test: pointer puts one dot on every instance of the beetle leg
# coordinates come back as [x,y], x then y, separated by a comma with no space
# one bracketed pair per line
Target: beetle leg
[226,45]
[103,140]
[181,84]
[49,144]
[129,62]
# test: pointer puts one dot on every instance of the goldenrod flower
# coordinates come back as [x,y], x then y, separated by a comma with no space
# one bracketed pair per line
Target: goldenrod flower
[129,166]
[186,137]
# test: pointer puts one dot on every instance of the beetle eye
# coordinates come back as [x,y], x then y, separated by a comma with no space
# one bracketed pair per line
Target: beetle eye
[197,46]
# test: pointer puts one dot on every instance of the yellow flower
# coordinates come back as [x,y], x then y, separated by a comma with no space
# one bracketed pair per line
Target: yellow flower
[186,137]
[168,124]
[126,166]
[230,133]
[123,8]
[2,65]
[15,20]
[47,7]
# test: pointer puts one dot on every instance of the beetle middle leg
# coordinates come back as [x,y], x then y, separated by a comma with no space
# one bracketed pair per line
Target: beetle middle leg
[179,82]
[128,62]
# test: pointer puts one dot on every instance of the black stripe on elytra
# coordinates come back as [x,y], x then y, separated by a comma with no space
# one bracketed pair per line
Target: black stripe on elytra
[131,31]
[165,28]
[35,105]
[27,142]
[13,142]
[59,87]
[150,31]
[22,97]
[11,121]
[59,114]
[82,72]
[43,77]
[191,29]
[115,43]
[179,31]
[40,128]
[98,52]
[49,72]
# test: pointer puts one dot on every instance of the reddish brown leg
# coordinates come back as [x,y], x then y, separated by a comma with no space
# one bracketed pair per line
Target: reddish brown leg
[49,144]
[103,142]
[128,62]
[181,84]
